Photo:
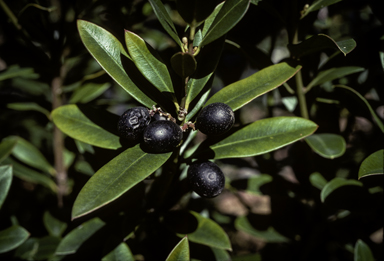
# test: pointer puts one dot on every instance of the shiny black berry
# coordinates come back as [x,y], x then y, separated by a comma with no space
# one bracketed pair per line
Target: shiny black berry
[206,179]
[162,136]
[133,122]
[214,119]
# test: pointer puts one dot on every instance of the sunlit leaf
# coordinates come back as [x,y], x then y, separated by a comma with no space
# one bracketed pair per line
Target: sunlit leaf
[121,252]
[229,15]
[6,147]
[336,183]
[242,92]
[28,106]
[372,165]
[12,237]
[88,92]
[54,226]
[317,5]
[108,52]
[74,121]
[74,239]
[5,182]
[362,252]
[180,251]
[327,145]
[269,235]
[115,178]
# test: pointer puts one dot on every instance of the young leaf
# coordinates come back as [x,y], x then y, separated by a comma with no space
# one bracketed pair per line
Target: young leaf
[317,5]
[6,147]
[242,92]
[327,145]
[5,182]
[75,121]
[336,183]
[108,52]
[74,239]
[88,92]
[229,15]
[165,20]
[261,137]
[180,251]
[154,70]
[269,235]
[54,226]
[372,165]
[121,252]
[28,106]
[362,252]
[115,178]
[12,237]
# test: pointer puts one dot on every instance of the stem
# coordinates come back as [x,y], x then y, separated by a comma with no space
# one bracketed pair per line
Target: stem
[10,15]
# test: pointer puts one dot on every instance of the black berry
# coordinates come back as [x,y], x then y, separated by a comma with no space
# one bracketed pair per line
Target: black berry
[215,118]
[206,179]
[133,122]
[162,136]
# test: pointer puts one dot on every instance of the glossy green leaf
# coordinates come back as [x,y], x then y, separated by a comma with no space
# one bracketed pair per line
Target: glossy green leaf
[269,235]
[184,64]
[317,180]
[74,239]
[208,22]
[229,15]
[209,233]
[88,92]
[165,20]
[317,5]
[261,137]
[360,97]
[362,252]
[28,106]
[120,253]
[15,71]
[30,175]
[372,165]
[327,145]
[26,152]
[220,254]
[47,247]
[195,86]
[242,92]
[115,178]
[180,251]
[5,182]
[54,226]
[72,120]
[336,183]
[108,52]
[198,105]
[333,74]
[6,147]
[12,237]
[320,42]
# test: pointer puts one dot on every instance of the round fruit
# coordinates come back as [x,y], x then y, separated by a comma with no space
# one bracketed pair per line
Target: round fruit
[133,122]
[215,118]
[162,136]
[206,179]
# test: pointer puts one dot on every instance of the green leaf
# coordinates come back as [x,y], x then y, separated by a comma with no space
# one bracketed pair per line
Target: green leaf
[333,74]
[229,15]
[28,106]
[327,145]
[47,247]
[150,66]
[208,22]
[261,137]
[15,71]
[360,97]
[30,175]
[54,226]
[120,253]
[108,52]
[5,182]
[255,182]
[184,64]
[74,239]
[12,237]
[251,257]
[255,2]
[165,20]
[269,235]
[88,92]
[198,105]
[242,92]
[220,254]
[372,165]
[317,5]
[28,249]
[6,147]
[194,87]
[78,122]
[317,180]
[26,152]
[362,252]
[336,183]
[115,178]
[180,251]
[320,42]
